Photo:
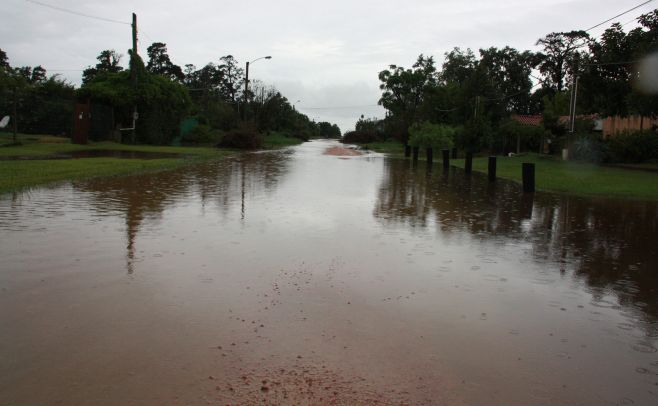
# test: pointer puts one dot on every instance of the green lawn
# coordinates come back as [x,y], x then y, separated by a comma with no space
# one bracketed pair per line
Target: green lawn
[577,178]
[279,140]
[553,174]
[21,174]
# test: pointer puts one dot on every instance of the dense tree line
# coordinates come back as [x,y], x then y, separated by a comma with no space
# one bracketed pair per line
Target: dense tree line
[162,93]
[478,93]
[44,105]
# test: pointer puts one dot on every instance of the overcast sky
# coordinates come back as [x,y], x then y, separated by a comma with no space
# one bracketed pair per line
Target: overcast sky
[325,54]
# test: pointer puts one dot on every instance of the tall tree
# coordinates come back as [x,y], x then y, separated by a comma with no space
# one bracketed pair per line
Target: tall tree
[561,56]
[403,90]
[108,62]
[160,63]
[232,77]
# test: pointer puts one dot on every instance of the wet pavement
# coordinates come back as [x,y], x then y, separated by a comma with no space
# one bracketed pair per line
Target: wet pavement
[295,277]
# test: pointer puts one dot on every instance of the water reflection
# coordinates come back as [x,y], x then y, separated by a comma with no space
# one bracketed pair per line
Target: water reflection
[147,196]
[609,244]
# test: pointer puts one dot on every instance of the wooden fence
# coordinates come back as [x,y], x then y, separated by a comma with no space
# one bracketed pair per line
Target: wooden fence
[617,124]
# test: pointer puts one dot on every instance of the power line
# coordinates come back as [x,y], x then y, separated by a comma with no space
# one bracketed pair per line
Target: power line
[619,15]
[65,10]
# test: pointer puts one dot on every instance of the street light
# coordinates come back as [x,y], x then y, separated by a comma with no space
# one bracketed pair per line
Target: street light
[246,79]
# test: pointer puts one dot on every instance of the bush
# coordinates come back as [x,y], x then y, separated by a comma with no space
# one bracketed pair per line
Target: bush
[359,137]
[202,134]
[244,137]
[428,135]
[589,148]
[632,147]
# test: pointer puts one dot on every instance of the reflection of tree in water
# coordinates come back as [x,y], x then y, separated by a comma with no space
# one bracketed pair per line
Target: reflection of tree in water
[225,183]
[612,244]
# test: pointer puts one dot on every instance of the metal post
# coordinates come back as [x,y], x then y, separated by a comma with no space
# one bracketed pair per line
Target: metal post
[446,158]
[430,156]
[528,177]
[468,164]
[492,169]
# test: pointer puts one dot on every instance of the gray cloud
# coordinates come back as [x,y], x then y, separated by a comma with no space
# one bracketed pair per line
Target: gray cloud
[326,54]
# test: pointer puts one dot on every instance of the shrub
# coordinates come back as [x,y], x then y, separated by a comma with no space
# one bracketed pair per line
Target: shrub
[359,137]
[589,148]
[632,147]
[202,134]
[428,135]
[244,137]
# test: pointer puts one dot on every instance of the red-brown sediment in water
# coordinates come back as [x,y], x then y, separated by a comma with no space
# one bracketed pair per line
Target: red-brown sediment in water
[342,151]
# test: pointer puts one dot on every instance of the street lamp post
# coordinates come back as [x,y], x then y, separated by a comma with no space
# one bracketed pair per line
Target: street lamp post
[246,83]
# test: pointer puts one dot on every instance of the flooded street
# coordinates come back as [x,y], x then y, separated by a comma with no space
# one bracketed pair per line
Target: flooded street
[295,277]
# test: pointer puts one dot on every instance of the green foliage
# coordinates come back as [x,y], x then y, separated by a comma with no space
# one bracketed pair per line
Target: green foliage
[512,134]
[632,147]
[108,62]
[359,137]
[202,134]
[161,103]
[328,130]
[428,135]
[476,135]
[588,148]
[246,136]
[160,63]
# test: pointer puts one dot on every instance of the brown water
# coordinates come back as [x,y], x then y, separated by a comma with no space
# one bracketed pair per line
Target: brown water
[294,277]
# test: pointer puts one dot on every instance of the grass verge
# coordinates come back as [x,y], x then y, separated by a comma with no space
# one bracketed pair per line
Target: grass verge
[555,175]
[280,140]
[22,174]
[576,178]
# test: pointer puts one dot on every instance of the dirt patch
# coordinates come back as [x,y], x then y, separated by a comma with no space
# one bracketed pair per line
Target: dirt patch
[302,384]
[342,151]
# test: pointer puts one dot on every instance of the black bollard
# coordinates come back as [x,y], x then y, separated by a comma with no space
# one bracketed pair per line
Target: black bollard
[492,169]
[528,177]
[454,153]
[407,150]
[415,154]
[468,164]
[446,158]
[430,156]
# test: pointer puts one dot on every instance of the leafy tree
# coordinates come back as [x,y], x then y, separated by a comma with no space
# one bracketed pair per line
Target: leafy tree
[561,56]
[161,102]
[4,60]
[428,135]
[328,130]
[108,62]
[404,90]
[159,62]
[458,66]
[232,76]
[508,70]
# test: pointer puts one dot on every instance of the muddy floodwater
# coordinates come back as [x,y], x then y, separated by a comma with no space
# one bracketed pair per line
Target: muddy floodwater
[296,277]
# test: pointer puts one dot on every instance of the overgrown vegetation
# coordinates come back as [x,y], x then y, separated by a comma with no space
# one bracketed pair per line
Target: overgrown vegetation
[162,94]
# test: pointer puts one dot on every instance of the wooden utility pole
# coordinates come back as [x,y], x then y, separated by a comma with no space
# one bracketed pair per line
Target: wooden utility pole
[246,91]
[133,72]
